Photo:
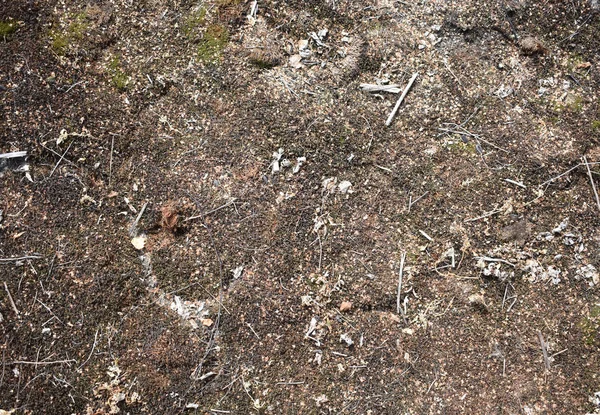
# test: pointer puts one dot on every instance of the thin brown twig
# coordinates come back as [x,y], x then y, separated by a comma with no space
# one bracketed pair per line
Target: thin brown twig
[445,62]
[42,363]
[61,158]
[320,251]
[504,298]
[544,346]
[92,351]
[252,330]
[12,303]
[399,309]
[22,258]
[370,129]
[211,211]
[485,215]
[412,202]
[217,300]
[490,259]
[57,154]
[567,172]
[110,162]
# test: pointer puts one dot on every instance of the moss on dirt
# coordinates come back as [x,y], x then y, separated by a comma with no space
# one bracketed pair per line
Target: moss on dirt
[60,42]
[459,146]
[78,26]
[7,28]
[63,40]
[590,326]
[227,3]
[572,103]
[213,42]
[193,21]
[119,79]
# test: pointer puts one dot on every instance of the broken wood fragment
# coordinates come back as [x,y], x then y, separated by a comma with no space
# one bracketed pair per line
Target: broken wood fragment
[404,93]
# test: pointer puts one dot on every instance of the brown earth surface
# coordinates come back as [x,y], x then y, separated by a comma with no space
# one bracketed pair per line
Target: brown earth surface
[216,217]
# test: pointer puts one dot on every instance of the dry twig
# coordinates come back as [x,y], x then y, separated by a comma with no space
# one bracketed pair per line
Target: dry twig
[399,102]
[12,303]
[133,228]
[61,158]
[489,259]
[42,363]
[544,350]
[393,88]
[412,202]
[587,166]
[567,172]
[110,162]
[485,215]
[211,211]
[22,258]
[398,302]
[515,183]
[196,375]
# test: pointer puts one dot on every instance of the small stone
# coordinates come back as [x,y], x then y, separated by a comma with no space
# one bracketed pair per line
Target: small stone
[302,44]
[345,306]
[295,61]
[206,322]
[344,187]
[532,46]
[139,242]
[345,338]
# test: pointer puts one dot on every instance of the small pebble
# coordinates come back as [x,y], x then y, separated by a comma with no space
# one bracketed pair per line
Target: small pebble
[345,306]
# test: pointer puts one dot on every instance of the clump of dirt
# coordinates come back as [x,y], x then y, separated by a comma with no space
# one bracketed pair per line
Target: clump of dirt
[531,46]
[169,216]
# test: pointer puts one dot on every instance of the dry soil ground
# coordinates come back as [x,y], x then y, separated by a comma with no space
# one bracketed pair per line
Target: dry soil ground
[273,212]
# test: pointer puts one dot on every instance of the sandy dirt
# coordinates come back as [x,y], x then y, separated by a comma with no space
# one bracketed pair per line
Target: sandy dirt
[216,219]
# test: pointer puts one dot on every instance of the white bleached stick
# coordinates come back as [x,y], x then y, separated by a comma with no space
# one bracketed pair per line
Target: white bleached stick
[15,154]
[395,110]
[398,307]
[393,88]
[587,166]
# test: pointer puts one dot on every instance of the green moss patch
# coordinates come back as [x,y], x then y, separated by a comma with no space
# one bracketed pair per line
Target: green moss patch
[7,28]
[590,327]
[213,42]
[118,77]
[193,22]
[62,40]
